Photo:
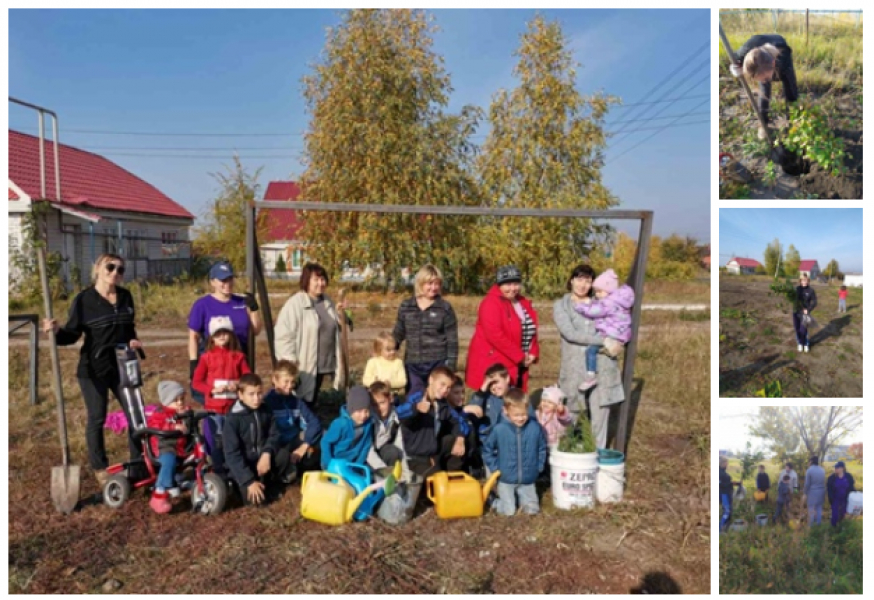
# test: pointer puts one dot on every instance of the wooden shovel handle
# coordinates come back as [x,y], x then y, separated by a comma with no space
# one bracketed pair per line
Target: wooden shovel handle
[53,350]
[344,340]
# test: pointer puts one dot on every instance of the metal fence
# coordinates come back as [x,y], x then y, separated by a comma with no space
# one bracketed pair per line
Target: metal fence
[789,21]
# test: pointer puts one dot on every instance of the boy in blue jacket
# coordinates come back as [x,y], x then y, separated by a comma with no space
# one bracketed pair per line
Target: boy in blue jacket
[516,447]
[350,435]
[299,429]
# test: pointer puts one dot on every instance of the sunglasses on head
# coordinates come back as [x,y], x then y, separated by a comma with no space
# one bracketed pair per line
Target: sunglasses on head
[112,267]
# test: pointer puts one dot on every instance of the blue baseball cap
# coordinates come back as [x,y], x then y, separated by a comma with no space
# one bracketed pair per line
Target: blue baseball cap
[221,270]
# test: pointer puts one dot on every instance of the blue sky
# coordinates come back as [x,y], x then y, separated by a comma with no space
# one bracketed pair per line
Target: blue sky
[221,71]
[821,234]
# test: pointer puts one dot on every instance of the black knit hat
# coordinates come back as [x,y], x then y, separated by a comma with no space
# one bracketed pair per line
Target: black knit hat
[508,273]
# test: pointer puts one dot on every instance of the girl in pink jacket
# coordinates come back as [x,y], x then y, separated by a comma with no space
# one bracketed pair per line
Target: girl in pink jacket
[611,312]
[553,415]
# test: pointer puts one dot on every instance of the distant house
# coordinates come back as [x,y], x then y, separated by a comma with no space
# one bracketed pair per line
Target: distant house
[836,453]
[282,231]
[103,208]
[809,268]
[705,262]
[853,279]
[742,266]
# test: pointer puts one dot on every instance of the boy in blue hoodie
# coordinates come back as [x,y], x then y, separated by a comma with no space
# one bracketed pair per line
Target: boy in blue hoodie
[299,429]
[350,435]
[516,447]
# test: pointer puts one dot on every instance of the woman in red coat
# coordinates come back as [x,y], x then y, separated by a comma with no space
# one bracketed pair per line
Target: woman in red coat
[506,332]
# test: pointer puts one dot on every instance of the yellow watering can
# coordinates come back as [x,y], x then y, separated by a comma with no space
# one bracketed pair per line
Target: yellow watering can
[457,495]
[328,499]
[760,496]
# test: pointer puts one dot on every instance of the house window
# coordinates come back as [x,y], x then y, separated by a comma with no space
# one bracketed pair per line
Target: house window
[295,259]
[169,244]
[135,243]
[110,240]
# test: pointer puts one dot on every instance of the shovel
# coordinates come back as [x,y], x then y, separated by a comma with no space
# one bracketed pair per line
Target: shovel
[344,342]
[791,163]
[65,479]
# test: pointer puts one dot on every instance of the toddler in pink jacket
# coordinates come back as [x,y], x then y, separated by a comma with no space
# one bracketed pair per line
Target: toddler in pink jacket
[611,312]
[553,415]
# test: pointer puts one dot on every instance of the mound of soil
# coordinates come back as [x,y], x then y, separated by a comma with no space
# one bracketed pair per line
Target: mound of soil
[823,184]
[757,344]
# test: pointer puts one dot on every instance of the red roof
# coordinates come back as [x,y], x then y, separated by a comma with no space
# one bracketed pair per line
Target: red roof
[12,195]
[282,224]
[87,179]
[806,265]
[746,262]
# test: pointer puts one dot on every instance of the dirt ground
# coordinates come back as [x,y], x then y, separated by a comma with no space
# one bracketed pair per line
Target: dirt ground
[846,110]
[757,343]
[660,533]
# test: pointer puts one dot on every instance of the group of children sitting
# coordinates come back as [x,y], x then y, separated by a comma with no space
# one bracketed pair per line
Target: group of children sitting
[265,439]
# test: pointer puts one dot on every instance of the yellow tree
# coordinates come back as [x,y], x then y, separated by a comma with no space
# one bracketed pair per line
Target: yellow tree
[544,150]
[379,134]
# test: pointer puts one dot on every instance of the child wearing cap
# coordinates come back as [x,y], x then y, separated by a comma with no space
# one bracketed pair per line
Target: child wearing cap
[388,443]
[611,312]
[216,377]
[172,396]
[553,415]
[349,436]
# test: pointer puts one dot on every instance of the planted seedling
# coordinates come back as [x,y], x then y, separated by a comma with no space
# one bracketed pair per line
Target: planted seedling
[770,176]
[811,136]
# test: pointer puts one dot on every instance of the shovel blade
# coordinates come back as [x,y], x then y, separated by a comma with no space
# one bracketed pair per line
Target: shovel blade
[65,488]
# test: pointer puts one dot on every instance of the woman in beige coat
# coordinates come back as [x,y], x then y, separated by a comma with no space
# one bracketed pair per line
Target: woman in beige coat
[307,332]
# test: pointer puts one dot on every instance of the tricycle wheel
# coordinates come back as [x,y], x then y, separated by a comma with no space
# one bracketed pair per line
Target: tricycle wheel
[214,497]
[116,491]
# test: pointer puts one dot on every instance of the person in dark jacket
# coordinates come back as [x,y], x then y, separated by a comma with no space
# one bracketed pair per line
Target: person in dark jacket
[251,438]
[763,59]
[839,485]
[350,436]
[299,429]
[726,492]
[104,314]
[517,448]
[432,436]
[427,323]
[805,302]
[763,482]
[784,497]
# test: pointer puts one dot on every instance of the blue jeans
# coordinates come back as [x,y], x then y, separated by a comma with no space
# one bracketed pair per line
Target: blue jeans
[842,305]
[167,472]
[417,375]
[814,514]
[212,427]
[725,501]
[528,501]
[592,358]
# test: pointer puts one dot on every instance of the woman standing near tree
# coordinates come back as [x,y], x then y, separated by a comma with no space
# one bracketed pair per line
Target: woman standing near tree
[428,325]
[506,332]
[839,485]
[307,332]
[577,334]
[763,59]
[104,314]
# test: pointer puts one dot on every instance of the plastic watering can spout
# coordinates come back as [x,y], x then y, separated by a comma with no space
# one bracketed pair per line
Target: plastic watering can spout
[490,483]
[389,484]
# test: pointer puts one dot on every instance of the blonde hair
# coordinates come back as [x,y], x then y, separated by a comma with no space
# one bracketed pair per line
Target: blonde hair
[382,341]
[516,398]
[723,461]
[102,260]
[427,273]
[761,59]
[286,367]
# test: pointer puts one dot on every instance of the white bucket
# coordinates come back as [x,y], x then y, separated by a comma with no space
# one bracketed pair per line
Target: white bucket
[573,479]
[854,504]
[610,482]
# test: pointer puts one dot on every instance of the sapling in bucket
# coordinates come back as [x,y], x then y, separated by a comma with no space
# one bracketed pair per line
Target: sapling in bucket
[574,467]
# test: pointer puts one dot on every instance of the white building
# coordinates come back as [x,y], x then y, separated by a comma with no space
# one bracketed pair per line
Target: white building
[853,279]
[742,266]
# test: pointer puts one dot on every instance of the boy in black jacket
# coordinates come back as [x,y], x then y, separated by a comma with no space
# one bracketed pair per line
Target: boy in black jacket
[252,449]
[763,482]
[432,435]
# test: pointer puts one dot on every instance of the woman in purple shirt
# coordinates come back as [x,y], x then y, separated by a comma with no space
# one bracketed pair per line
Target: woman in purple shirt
[242,310]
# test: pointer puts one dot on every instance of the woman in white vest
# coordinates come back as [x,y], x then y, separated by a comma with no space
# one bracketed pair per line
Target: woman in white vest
[307,332]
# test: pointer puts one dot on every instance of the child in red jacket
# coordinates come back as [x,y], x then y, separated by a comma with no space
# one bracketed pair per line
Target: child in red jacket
[216,377]
[172,396]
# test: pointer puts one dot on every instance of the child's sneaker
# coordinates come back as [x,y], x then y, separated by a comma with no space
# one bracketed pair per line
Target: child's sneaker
[589,382]
[807,349]
[800,348]
[160,503]
[174,492]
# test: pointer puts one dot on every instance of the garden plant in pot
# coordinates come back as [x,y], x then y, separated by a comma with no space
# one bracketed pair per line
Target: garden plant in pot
[574,467]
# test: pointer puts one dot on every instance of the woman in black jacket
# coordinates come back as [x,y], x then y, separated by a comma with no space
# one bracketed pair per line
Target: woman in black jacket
[104,314]
[805,302]
[767,58]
